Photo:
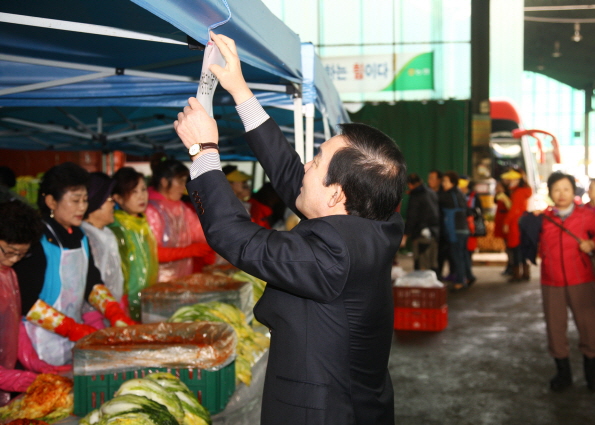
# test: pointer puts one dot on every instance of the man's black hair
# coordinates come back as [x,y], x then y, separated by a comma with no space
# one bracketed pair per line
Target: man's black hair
[168,169]
[438,173]
[20,223]
[371,171]
[58,180]
[556,177]
[413,179]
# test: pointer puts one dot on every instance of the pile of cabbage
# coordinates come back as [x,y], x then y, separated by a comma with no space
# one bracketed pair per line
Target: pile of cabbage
[250,343]
[158,399]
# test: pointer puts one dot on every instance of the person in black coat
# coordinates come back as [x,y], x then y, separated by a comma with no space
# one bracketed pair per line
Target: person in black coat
[328,300]
[453,209]
[422,224]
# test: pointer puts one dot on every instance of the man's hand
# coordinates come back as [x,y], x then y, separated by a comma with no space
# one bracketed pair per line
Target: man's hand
[230,77]
[194,125]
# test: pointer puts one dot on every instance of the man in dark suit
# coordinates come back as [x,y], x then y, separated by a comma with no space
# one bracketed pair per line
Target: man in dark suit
[328,302]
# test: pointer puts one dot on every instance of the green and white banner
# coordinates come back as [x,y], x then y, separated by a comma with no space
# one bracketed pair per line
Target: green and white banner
[376,73]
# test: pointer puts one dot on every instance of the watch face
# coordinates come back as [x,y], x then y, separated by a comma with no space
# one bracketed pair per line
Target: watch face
[194,149]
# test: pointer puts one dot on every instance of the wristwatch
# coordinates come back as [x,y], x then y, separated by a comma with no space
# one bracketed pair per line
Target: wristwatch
[198,147]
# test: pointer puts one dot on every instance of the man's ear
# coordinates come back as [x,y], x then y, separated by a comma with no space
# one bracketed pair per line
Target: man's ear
[338,196]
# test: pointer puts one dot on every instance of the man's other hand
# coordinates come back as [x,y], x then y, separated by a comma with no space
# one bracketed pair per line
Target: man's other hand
[230,77]
[194,125]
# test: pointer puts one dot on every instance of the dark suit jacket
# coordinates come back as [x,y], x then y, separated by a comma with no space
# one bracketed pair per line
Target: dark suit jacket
[422,211]
[328,301]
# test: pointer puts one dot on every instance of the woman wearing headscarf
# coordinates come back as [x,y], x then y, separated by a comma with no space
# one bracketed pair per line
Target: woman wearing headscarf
[179,234]
[61,275]
[102,240]
[136,243]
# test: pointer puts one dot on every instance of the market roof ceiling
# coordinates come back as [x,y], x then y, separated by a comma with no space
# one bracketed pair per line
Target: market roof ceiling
[549,45]
[92,90]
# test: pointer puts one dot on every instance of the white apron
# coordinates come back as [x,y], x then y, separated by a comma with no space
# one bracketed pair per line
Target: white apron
[73,266]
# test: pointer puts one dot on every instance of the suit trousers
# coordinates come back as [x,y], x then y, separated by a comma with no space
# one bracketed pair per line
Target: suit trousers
[581,300]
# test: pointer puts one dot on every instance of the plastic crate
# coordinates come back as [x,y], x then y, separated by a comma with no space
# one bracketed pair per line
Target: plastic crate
[212,388]
[421,319]
[416,297]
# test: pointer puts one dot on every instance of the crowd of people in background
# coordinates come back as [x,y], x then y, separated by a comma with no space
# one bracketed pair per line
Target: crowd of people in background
[562,235]
[77,261]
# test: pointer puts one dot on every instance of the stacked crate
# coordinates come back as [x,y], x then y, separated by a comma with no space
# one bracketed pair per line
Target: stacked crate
[420,309]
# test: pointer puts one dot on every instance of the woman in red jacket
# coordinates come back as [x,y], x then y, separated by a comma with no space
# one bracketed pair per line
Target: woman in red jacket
[567,278]
[519,200]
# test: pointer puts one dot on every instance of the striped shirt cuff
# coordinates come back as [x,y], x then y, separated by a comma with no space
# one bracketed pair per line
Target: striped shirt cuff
[251,113]
[207,162]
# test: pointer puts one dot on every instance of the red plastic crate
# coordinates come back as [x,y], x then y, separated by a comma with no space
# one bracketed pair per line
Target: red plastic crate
[421,319]
[416,297]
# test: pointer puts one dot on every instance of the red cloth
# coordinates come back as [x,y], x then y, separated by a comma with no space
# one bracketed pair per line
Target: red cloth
[519,200]
[562,262]
[471,240]
[501,211]
[259,213]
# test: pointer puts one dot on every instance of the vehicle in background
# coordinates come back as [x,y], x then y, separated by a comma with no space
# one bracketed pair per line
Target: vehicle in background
[509,149]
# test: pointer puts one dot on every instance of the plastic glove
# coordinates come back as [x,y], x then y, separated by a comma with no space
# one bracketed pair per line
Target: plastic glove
[46,316]
[198,249]
[16,380]
[30,360]
[116,316]
[102,299]
[73,330]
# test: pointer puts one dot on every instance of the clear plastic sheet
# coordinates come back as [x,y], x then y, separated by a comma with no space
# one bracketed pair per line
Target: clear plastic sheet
[162,300]
[203,345]
[10,316]
[138,252]
[175,225]
[244,405]
[419,278]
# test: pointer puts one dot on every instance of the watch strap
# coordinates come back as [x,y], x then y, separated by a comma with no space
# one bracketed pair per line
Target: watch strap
[204,146]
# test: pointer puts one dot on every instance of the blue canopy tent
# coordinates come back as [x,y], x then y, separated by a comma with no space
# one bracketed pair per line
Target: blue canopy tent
[104,74]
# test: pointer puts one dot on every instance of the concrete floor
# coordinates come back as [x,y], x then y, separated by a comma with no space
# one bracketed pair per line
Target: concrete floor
[490,365]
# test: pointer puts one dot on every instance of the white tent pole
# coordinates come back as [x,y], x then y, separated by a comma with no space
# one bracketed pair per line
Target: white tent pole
[298,123]
[268,87]
[94,68]
[81,125]
[309,145]
[86,28]
[54,83]
[49,128]
[157,129]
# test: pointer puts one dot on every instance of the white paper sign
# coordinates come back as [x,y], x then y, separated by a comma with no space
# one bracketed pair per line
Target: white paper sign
[208,81]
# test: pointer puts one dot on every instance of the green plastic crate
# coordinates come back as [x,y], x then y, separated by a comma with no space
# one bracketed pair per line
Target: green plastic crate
[212,388]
